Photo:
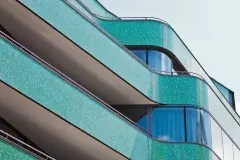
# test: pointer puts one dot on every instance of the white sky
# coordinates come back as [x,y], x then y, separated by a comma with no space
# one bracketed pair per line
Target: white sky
[210,28]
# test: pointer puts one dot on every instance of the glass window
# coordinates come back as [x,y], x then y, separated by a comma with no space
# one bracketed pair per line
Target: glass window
[168,124]
[231,99]
[142,54]
[227,147]
[205,120]
[236,153]
[138,115]
[198,126]
[216,139]
[159,61]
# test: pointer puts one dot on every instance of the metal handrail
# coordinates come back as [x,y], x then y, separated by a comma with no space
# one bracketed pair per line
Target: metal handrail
[18,143]
[93,96]
[159,20]
[70,81]
[76,85]
[107,106]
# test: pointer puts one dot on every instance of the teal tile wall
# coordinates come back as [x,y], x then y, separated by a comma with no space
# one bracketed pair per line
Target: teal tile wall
[43,86]
[154,33]
[9,152]
[98,9]
[160,88]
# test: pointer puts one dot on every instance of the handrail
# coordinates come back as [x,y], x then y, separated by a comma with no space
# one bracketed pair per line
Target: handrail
[128,51]
[69,80]
[85,91]
[23,146]
[125,49]
[185,73]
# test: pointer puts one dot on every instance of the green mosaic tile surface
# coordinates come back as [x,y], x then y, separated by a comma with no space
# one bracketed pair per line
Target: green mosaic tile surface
[9,152]
[160,88]
[43,86]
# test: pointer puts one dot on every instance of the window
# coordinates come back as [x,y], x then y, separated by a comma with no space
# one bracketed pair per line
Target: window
[139,115]
[155,59]
[159,61]
[183,124]
[231,99]
[198,126]
[168,124]
[142,54]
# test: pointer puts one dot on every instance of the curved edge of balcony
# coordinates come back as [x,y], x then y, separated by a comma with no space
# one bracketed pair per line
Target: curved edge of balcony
[158,47]
[158,148]
[127,52]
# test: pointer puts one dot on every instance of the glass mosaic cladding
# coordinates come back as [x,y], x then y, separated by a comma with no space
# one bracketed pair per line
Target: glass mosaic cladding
[9,152]
[76,107]
[183,89]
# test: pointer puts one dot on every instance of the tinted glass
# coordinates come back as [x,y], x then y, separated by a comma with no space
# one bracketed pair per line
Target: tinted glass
[198,126]
[142,54]
[231,98]
[159,61]
[206,128]
[138,115]
[227,147]
[168,124]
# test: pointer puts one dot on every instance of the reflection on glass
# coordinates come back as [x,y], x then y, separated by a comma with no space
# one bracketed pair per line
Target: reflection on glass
[227,147]
[142,54]
[159,61]
[206,128]
[155,59]
[198,126]
[216,139]
[168,124]
[236,153]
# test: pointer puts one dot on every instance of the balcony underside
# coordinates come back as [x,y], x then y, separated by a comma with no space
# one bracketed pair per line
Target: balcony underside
[51,133]
[78,108]
[159,88]
[57,50]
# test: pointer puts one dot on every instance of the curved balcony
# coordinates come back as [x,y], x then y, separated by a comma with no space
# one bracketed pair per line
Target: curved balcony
[153,33]
[29,75]
[186,89]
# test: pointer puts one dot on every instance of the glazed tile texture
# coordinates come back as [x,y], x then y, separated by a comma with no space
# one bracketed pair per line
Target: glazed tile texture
[7,152]
[160,88]
[32,79]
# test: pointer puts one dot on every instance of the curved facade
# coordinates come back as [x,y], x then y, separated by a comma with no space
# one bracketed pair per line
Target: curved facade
[83,112]
[180,110]
[156,87]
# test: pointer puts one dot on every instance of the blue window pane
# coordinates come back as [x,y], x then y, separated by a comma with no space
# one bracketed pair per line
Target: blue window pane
[143,122]
[159,61]
[142,54]
[168,124]
[206,128]
[198,126]
[138,115]
[231,98]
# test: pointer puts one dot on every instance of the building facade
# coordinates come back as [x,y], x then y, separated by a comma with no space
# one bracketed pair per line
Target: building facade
[78,82]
